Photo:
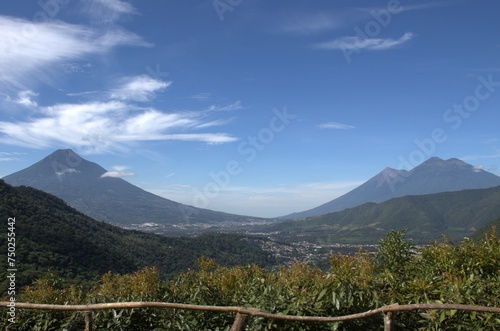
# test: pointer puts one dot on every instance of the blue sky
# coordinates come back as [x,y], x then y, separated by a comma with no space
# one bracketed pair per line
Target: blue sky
[252,107]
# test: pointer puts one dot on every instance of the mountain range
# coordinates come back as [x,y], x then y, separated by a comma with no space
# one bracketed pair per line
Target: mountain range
[425,217]
[89,188]
[86,186]
[432,176]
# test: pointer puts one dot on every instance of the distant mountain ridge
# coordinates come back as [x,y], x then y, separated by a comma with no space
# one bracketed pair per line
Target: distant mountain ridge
[426,218]
[432,176]
[81,184]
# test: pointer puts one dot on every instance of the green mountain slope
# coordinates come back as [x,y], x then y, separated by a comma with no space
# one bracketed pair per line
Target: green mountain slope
[427,217]
[51,235]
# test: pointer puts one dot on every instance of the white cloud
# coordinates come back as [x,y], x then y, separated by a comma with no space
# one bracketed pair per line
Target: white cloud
[112,120]
[213,123]
[335,125]
[117,36]
[306,24]
[108,11]
[10,156]
[105,126]
[211,138]
[478,168]
[120,168]
[75,67]
[24,98]
[139,88]
[117,6]
[230,107]
[117,174]
[151,123]
[202,96]
[66,171]
[357,43]
[423,6]
[32,51]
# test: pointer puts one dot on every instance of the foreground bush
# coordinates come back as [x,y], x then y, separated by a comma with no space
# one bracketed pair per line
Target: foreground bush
[466,273]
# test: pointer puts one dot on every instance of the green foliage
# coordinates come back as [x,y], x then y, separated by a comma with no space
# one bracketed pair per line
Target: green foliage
[466,273]
[394,253]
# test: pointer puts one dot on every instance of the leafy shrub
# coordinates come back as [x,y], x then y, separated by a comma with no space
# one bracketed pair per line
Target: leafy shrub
[465,273]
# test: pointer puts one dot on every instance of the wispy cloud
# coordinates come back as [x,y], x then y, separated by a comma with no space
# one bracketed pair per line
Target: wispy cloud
[213,123]
[335,125]
[35,56]
[117,6]
[314,23]
[75,67]
[108,11]
[67,171]
[494,155]
[2,154]
[478,168]
[203,96]
[103,126]
[139,88]
[423,6]
[357,43]
[229,107]
[6,157]
[117,174]
[24,98]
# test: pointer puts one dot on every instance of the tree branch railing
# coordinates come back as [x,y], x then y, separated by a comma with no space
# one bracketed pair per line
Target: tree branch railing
[243,314]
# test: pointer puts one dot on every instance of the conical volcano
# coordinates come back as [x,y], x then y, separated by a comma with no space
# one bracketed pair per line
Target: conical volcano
[432,176]
[82,185]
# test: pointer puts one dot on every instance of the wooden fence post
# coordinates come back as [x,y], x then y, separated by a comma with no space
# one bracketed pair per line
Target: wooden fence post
[388,321]
[88,320]
[240,322]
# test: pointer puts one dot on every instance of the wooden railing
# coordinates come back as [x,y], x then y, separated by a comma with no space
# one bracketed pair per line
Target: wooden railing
[243,314]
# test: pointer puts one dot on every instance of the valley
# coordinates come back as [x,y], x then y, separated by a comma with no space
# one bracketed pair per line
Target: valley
[437,199]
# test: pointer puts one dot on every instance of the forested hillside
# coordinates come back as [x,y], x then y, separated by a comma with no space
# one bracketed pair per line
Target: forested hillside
[53,237]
